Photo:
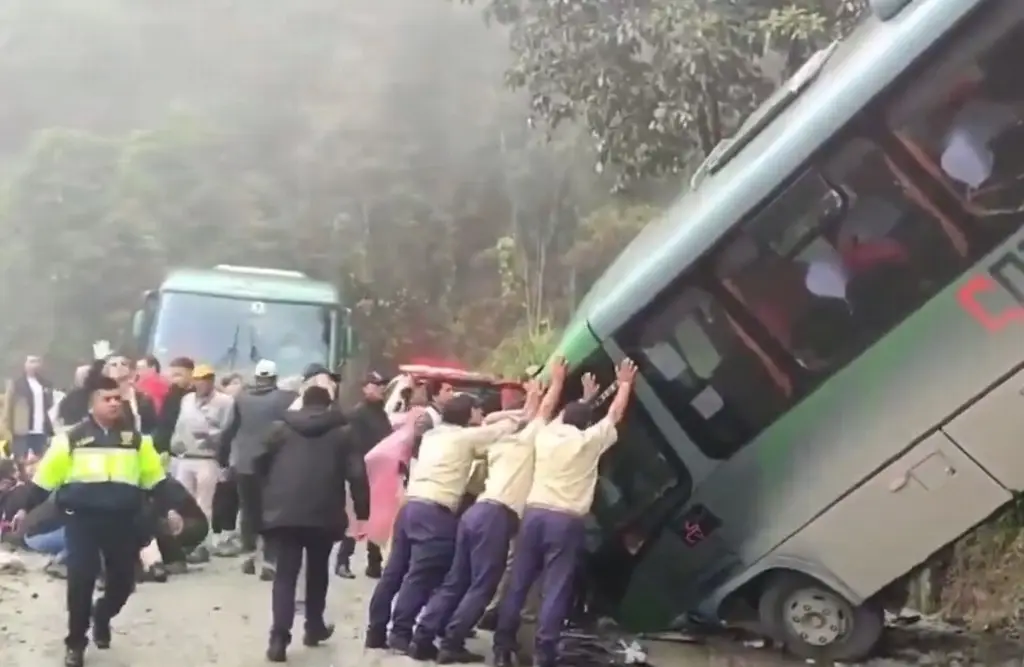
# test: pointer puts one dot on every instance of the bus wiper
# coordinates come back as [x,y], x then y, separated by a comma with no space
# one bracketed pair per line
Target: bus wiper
[254,353]
[231,356]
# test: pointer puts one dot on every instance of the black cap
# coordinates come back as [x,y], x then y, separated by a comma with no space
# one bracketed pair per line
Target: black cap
[373,377]
[314,369]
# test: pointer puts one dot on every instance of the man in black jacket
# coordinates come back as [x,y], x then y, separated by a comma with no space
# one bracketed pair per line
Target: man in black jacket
[304,468]
[368,425]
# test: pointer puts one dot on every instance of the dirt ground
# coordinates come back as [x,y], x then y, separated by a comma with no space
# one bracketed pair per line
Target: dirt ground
[218,616]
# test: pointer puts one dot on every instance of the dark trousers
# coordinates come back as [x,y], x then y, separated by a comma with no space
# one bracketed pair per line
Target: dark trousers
[481,553]
[421,553]
[547,548]
[290,544]
[347,549]
[174,548]
[225,507]
[250,498]
[92,541]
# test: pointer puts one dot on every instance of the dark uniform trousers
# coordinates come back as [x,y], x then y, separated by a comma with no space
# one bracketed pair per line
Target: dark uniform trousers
[91,537]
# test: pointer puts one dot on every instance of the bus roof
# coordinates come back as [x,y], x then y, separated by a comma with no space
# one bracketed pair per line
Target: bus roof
[861,68]
[236,282]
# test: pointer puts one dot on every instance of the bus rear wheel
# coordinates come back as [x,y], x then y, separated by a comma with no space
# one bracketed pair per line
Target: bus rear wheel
[813,621]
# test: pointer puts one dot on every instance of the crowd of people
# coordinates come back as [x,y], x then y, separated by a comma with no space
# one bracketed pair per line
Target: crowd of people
[473,505]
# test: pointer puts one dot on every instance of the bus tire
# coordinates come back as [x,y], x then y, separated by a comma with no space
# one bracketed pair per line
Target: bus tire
[813,621]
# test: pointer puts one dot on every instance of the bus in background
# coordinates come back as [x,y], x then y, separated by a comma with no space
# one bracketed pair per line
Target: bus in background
[828,331]
[232,316]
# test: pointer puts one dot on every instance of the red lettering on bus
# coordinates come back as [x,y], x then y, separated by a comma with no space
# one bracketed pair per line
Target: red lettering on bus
[993,322]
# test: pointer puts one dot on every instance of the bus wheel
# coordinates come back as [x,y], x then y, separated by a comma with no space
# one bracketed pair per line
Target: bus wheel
[813,621]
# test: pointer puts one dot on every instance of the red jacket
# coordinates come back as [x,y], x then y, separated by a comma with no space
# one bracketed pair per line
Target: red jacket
[156,387]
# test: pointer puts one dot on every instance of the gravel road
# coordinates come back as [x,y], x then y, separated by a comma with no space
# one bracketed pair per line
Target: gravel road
[218,616]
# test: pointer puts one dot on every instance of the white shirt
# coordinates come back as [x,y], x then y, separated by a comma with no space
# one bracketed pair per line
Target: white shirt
[58,396]
[38,425]
[967,157]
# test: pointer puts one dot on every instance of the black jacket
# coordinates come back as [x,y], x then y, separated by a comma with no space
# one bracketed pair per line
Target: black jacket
[168,419]
[304,469]
[368,424]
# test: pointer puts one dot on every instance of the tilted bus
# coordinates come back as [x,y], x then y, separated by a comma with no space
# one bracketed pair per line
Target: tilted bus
[830,334]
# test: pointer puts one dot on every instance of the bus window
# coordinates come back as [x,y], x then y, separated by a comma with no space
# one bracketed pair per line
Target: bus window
[964,122]
[705,372]
[830,291]
[634,474]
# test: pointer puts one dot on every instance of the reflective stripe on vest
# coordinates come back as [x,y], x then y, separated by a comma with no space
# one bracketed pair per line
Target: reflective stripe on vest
[91,465]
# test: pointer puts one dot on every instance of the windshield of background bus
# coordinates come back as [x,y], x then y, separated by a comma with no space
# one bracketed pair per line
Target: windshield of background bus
[233,334]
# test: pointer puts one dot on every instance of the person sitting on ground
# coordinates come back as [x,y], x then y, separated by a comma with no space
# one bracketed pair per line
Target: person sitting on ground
[172,536]
[9,500]
[43,532]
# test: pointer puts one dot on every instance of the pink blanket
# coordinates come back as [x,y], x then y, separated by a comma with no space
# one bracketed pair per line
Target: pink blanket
[383,465]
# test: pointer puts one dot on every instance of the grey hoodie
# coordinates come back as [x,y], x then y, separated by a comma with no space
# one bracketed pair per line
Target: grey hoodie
[257,407]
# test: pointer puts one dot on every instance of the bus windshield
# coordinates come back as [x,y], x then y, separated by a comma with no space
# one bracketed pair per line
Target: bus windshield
[233,334]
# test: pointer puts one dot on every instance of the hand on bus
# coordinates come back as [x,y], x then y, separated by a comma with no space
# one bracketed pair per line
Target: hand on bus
[626,372]
[559,368]
[590,386]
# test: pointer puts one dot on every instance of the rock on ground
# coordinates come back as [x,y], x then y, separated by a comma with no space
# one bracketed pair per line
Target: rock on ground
[218,616]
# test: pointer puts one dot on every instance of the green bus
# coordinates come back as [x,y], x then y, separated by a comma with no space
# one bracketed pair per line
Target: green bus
[232,316]
[826,327]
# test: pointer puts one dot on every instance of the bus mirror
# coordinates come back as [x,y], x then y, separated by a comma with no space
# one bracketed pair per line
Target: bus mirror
[348,343]
[137,324]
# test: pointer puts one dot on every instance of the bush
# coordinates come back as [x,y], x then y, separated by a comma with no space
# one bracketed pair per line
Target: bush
[522,349]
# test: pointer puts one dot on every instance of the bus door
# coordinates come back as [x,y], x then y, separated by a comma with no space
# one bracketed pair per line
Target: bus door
[629,574]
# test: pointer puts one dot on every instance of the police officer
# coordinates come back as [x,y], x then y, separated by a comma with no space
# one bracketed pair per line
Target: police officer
[101,470]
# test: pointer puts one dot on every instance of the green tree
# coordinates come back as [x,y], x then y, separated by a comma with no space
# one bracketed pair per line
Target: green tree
[658,83]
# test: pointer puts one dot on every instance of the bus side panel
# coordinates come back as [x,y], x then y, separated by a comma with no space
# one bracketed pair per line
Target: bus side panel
[900,517]
[992,431]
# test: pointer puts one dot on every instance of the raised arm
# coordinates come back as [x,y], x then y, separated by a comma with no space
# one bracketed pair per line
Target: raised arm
[624,376]
[553,395]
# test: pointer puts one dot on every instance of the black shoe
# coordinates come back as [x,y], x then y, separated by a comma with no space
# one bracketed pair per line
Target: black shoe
[344,571]
[376,639]
[489,621]
[74,657]
[266,573]
[374,571]
[277,650]
[249,566]
[398,644]
[422,651]
[101,632]
[156,573]
[314,637]
[461,656]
